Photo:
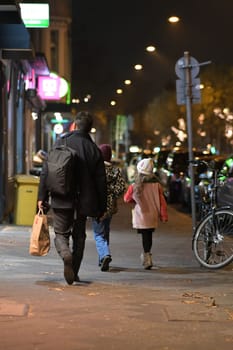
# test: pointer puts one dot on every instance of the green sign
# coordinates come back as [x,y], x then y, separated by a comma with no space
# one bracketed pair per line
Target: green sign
[35,15]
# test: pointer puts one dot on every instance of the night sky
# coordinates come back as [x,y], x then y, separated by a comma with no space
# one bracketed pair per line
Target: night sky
[109,38]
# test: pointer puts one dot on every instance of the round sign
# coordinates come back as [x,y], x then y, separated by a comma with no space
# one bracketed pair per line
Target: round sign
[181,65]
[58,129]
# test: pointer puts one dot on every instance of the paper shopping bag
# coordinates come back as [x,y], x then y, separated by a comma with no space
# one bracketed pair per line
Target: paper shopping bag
[40,239]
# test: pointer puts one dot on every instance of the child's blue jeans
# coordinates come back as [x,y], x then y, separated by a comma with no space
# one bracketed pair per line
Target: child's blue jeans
[101,232]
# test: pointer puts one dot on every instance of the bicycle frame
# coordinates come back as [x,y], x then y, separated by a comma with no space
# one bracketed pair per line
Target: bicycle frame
[212,240]
[210,206]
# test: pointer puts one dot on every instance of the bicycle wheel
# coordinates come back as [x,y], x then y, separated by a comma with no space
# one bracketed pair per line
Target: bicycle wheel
[213,240]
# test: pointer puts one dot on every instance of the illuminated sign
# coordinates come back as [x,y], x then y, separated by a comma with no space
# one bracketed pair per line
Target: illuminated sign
[52,87]
[35,15]
[58,128]
[63,121]
[48,88]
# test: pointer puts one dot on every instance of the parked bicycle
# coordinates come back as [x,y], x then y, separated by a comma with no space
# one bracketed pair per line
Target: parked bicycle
[213,237]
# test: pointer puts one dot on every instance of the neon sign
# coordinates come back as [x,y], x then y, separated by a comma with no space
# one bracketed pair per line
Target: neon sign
[52,87]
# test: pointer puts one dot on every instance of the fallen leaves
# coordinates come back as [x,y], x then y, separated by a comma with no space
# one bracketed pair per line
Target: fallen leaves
[198,298]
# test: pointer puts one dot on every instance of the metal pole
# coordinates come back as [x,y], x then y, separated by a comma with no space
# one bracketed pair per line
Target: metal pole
[127,136]
[117,136]
[188,94]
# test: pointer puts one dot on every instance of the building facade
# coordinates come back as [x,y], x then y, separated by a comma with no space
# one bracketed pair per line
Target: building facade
[25,55]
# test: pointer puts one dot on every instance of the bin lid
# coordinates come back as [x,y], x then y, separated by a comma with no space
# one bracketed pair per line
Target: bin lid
[29,179]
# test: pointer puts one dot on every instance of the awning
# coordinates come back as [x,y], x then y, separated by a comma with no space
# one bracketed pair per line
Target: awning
[10,12]
[14,37]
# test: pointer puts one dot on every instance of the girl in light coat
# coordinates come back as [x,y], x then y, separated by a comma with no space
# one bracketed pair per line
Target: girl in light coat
[150,206]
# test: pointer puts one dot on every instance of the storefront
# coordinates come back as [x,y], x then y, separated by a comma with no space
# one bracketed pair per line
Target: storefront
[20,107]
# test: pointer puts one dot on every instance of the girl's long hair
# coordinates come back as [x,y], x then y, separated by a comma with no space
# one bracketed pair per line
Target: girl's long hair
[140,179]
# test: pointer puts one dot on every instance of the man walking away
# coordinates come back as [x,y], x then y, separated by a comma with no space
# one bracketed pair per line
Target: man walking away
[89,199]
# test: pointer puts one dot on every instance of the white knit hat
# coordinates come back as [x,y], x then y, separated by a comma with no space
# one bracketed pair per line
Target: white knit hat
[145,166]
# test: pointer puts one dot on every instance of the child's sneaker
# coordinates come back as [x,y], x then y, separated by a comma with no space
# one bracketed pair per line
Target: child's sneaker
[105,263]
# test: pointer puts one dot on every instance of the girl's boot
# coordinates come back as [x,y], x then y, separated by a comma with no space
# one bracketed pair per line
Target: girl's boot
[147,262]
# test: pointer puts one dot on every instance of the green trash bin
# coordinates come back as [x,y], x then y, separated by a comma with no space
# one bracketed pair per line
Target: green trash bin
[25,199]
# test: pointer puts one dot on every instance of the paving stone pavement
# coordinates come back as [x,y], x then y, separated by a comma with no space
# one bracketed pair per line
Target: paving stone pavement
[176,305]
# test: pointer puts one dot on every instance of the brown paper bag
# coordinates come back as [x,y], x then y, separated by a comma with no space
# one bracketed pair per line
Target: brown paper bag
[40,239]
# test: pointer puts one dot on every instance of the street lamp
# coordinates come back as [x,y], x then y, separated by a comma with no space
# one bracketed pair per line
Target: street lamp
[127,82]
[138,67]
[119,91]
[173,19]
[150,48]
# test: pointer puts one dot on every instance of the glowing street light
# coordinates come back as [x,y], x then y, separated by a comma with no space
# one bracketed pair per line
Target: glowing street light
[113,103]
[138,67]
[87,98]
[75,100]
[119,91]
[150,48]
[173,19]
[128,82]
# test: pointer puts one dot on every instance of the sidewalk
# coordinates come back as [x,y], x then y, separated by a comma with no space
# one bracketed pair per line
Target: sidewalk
[176,305]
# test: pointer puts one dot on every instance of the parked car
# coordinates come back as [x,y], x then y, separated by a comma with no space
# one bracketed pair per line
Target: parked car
[202,179]
[227,167]
[172,173]
[225,191]
[161,157]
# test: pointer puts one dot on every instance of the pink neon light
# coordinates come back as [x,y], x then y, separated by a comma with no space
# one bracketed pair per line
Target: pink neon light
[49,88]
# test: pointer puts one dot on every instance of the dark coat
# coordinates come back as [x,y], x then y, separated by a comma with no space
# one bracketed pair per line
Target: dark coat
[91,199]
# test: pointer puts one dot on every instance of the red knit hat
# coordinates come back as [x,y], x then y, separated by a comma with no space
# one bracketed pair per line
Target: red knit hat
[106,151]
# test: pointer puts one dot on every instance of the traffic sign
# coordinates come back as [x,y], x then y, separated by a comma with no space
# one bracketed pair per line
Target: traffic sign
[181,93]
[181,66]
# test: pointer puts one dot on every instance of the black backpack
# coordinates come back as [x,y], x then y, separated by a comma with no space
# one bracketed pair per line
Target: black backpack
[61,170]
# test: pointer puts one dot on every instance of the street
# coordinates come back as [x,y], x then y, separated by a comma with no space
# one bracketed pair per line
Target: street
[176,305]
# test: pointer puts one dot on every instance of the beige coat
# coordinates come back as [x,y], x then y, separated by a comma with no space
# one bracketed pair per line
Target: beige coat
[150,208]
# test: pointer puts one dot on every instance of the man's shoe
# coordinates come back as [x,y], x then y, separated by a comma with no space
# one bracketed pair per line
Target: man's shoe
[105,263]
[68,269]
